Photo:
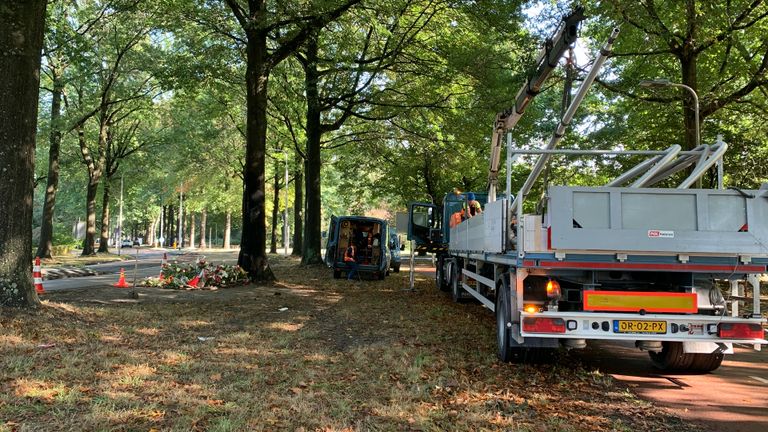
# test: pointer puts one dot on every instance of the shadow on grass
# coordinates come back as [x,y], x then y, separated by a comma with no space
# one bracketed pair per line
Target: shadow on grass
[306,353]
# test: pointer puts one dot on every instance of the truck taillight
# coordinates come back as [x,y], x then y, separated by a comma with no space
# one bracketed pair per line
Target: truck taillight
[543,325]
[553,288]
[739,331]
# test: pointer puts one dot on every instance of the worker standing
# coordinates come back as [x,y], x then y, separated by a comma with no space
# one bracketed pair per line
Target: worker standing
[473,206]
[351,261]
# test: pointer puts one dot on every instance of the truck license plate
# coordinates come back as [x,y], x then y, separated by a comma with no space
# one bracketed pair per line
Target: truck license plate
[633,326]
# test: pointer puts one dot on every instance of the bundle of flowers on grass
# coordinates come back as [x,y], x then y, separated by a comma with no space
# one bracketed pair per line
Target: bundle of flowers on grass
[199,275]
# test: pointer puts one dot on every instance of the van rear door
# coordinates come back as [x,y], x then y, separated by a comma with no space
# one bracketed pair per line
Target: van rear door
[332,241]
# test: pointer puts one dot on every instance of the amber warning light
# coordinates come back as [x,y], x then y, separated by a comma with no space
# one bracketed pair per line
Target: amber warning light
[553,289]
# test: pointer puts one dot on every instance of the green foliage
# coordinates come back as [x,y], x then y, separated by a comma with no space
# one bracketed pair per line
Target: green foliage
[406,127]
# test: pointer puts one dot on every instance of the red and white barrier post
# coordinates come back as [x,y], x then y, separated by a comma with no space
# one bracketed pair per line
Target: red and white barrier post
[38,276]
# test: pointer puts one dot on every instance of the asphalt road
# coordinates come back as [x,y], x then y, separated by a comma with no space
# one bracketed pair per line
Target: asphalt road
[734,398]
[147,265]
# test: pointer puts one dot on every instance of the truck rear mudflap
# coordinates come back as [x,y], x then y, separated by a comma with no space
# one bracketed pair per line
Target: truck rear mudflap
[650,327]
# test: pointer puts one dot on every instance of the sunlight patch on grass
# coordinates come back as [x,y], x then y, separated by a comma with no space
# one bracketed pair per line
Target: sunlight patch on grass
[111,339]
[285,326]
[45,392]
[187,324]
[147,331]
[12,341]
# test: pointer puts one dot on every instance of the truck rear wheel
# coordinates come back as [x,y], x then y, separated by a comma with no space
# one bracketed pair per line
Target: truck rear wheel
[508,350]
[706,362]
[672,357]
[503,317]
[440,281]
[456,288]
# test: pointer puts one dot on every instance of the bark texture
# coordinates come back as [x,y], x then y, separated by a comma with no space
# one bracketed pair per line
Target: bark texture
[311,245]
[203,221]
[228,231]
[298,207]
[275,211]
[104,234]
[21,41]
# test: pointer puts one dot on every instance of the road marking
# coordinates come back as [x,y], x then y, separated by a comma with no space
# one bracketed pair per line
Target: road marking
[762,380]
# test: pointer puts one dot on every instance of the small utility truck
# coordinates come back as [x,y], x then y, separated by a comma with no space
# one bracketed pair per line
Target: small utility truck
[668,268]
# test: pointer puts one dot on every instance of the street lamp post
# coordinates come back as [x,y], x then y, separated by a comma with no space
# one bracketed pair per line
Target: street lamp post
[659,83]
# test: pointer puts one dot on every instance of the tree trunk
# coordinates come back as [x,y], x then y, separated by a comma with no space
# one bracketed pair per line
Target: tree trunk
[170,227]
[311,251]
[192,230]
[228,230]
[203,221]
[94,177]
[23,24]
[46,229]
[104,237]
[275,212]
[184,229]
[253,257]
[163,227]
[298,207]
[150,238]
[90,217]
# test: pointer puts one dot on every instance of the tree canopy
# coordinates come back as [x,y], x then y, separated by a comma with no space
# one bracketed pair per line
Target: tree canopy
[373,104]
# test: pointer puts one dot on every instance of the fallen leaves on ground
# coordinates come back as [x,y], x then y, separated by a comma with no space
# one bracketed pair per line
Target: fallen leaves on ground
[343,356]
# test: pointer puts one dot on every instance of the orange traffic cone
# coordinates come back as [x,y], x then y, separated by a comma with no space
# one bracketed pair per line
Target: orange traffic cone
[38,276]
[121,283]
[196,280]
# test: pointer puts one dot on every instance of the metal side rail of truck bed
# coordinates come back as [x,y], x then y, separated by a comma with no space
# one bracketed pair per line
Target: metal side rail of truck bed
[640,264]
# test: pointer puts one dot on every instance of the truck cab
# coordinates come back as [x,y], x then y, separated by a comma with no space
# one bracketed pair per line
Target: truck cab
[370,236]
[430,225]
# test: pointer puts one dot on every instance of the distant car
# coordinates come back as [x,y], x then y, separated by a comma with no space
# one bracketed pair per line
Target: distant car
[136,243]
[126,243]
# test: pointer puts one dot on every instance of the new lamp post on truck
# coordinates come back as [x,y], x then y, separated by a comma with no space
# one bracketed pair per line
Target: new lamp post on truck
[624,261]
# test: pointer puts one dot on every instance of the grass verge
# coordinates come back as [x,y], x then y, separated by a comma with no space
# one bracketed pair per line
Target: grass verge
[343,356]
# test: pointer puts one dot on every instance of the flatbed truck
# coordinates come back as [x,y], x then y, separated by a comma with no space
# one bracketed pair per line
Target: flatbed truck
[667,268]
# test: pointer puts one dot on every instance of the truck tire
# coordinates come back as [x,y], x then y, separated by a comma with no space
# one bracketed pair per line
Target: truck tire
[503,316]
[456,288]
[672,357]
[336,274]
[706,362]
[440,281]
[508,350]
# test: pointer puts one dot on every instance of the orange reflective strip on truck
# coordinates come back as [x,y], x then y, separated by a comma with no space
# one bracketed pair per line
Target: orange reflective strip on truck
[622,301]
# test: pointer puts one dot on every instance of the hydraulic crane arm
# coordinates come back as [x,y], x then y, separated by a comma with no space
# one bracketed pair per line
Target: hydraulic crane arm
[550,55]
